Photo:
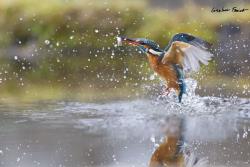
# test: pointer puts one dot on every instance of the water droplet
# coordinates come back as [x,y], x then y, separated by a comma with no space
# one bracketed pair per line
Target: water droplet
[152,138]
[47,42]
[152,77]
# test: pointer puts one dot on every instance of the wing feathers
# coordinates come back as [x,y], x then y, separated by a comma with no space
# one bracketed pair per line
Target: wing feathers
[193,56]
[187,55]
[200,43]
[190,39]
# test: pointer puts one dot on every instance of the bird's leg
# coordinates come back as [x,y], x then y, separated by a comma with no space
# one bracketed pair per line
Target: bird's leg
[166,91]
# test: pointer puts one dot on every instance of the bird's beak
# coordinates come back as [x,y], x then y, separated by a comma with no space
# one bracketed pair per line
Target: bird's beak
[129,41]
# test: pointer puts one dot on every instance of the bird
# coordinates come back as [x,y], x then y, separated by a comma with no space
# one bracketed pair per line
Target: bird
[184,53]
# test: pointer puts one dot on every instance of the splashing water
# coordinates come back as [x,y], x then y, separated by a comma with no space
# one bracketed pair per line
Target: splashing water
[191,102]
[187,97]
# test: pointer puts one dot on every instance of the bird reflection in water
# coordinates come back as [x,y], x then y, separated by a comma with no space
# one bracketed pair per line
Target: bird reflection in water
[172,152]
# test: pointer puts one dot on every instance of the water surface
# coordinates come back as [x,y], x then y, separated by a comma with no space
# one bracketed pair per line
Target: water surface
[121,133]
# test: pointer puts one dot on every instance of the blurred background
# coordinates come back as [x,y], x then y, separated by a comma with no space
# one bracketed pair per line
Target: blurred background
[66,49]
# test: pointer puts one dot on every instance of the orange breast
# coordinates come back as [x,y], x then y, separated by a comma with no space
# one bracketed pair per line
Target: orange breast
[165,71]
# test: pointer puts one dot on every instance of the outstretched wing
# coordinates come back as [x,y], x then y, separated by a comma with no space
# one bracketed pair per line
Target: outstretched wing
[187,51]
[190,39]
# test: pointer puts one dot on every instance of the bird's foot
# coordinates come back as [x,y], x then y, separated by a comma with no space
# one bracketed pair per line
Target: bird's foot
[166,92]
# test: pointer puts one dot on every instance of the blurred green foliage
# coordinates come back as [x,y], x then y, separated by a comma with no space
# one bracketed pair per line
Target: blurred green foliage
[74,42]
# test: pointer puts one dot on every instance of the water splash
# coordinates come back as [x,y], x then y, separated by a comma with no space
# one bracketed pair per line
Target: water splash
[191,102]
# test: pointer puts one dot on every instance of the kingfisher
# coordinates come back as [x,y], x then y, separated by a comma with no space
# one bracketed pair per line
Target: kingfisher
[184,53]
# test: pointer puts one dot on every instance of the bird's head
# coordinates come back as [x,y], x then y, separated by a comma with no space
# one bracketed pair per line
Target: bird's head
[145,45]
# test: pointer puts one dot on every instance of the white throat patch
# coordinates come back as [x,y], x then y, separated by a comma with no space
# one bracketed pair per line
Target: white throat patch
[154,52]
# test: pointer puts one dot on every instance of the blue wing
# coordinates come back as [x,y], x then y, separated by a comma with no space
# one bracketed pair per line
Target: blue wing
[195,41]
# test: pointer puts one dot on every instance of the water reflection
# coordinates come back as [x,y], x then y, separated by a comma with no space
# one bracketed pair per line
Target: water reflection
[173,150]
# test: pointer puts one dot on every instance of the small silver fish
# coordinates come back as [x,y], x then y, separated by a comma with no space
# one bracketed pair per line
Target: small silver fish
[119,41]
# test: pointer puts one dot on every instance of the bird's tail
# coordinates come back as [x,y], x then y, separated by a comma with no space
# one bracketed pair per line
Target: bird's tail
[181,83]
[182,87]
